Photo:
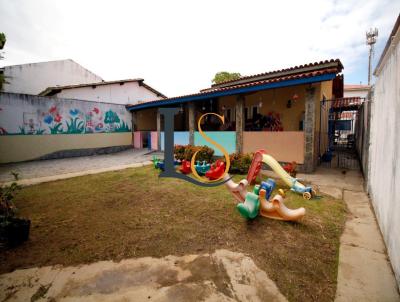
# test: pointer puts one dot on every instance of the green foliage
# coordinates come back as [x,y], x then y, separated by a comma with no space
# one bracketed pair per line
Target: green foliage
[123,127]
[240,163]
[186,152]
[111,117]
[7,197]
[40,131]
[3,40]
[56,129]
[75,127]
[224,76]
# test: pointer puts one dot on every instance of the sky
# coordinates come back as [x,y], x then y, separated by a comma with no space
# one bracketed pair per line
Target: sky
[178,46]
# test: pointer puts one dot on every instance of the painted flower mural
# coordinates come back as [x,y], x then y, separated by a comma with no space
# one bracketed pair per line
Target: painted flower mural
[64,117]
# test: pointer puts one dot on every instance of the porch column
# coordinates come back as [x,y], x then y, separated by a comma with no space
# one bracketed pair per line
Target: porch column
[192,123]
[134,127]
[158,130]
[309,130]
[239,123]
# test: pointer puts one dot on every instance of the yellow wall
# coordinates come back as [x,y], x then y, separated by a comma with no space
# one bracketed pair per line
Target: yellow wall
[274,100]
[15,148]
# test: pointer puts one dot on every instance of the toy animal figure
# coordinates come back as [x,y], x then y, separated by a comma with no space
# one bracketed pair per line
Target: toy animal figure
[185,167]
[250,207]
[216,170]
[202,168]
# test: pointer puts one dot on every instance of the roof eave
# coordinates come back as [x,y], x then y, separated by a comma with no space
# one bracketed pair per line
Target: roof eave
[241,90]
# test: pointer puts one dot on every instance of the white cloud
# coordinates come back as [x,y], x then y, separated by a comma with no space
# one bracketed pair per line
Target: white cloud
[177,46]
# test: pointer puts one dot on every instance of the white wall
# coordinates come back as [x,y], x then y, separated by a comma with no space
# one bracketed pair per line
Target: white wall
[128,93]
[36,77]
[355,93]
[384,171]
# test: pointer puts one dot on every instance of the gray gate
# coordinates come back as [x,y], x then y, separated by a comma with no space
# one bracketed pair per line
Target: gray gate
[337,135]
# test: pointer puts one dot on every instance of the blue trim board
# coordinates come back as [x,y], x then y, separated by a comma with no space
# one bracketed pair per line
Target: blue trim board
[185,99]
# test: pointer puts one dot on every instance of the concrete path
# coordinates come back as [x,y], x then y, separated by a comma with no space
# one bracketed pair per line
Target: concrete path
[365,273]
[35,172]
[221,276]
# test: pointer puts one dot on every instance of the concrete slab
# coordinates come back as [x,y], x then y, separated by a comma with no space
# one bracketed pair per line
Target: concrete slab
[364,275]
[221,276]
[331,191]
[69,166]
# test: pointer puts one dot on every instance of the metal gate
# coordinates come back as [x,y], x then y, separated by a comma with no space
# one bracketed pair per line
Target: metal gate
[337,135]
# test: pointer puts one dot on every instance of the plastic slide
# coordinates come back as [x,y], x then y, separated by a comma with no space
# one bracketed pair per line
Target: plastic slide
[276,209]
[262,157]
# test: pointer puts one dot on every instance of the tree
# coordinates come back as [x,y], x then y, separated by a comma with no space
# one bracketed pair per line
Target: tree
[224,76]
[2,40]
[2,43]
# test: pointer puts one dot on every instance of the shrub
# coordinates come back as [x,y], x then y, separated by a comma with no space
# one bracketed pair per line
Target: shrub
[179,152]
[186,152]
[240,163]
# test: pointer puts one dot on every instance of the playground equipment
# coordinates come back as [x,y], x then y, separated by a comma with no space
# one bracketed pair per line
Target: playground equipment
[185,167]
[216,170]
[276,209]
[159,164]
[262,157]
[202,167]
[257,202]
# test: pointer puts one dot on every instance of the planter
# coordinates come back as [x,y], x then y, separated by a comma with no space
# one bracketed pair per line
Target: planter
[15,231]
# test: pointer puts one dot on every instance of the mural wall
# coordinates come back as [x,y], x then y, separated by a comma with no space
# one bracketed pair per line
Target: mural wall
[32,115]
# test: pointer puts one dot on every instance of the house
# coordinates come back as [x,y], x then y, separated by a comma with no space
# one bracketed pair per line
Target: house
[35,77]
[124,92]
[352,91]
[284,112]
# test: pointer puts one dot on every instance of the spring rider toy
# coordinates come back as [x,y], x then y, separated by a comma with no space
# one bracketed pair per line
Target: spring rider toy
[185,167]
[202,167]
[216,170]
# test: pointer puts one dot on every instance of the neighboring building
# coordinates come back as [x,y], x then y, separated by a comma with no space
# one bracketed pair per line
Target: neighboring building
[35,77]
[352,91]
[281,111]
[124,92]
[383,174]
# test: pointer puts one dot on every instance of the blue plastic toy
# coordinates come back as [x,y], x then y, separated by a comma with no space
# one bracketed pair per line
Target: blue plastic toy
[268,186]
[202,168]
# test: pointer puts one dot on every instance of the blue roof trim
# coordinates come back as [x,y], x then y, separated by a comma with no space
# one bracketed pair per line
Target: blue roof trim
[205,96]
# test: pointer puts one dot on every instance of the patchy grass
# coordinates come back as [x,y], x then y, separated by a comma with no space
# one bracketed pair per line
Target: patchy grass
[133,213]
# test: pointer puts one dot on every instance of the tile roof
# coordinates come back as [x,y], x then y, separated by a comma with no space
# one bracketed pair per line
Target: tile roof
[286,71]
[355,87]
[51,90]
[330,67]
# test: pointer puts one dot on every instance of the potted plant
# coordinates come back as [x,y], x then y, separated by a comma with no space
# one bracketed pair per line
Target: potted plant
[13,230]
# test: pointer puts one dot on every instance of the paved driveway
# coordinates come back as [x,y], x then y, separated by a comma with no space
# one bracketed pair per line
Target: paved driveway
[51,167]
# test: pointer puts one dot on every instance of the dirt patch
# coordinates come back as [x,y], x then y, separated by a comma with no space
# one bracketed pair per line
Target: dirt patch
[133,213]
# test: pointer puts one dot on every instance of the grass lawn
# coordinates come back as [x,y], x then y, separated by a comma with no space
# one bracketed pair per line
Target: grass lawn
[133,213]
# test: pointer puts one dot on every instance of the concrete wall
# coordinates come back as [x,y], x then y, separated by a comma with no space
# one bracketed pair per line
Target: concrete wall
[126,93]
[32,126]
[16,148]
[384,174]
[276,144]
[36,77]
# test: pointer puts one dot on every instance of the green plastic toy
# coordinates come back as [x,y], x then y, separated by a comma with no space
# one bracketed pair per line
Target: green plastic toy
[250,207]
